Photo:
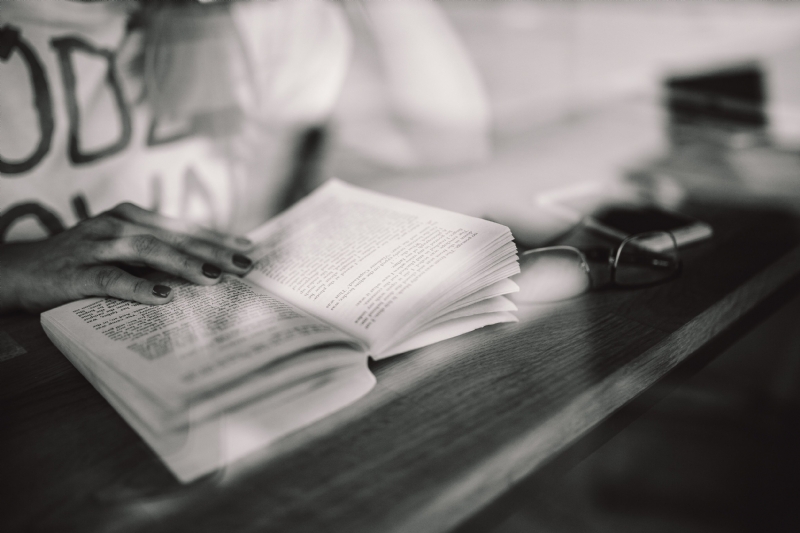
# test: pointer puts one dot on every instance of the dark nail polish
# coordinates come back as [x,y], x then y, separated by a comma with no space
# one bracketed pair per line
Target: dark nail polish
[210,271]
[162,291]
[243,241]
[241,261]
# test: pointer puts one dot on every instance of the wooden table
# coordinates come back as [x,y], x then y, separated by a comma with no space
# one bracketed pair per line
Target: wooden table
[447,430]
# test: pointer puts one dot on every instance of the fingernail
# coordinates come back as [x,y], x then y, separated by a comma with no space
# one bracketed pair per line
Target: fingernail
[162,291]
[243,241]
[241,261]
[210,271]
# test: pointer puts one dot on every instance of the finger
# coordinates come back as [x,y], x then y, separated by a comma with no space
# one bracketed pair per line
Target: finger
[149,250]
[223,257]
[114,282]
[136,214]
[220,256]
[102,227]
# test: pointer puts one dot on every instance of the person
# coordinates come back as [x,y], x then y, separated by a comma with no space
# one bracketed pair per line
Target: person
[142,133]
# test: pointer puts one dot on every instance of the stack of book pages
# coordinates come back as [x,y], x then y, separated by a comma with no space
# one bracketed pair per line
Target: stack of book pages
[343,275]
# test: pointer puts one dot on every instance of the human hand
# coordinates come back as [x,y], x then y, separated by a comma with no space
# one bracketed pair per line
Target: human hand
[82,261]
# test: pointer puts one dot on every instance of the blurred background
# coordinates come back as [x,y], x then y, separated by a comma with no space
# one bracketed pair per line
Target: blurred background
[578,92]
[542,62]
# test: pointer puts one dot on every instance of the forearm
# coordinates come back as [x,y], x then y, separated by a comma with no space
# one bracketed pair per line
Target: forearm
[432,86]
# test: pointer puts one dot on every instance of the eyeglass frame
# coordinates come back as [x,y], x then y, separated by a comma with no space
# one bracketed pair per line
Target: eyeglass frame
[613,259]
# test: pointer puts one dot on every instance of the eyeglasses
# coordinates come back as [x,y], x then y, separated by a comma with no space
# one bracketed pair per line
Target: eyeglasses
[561,272]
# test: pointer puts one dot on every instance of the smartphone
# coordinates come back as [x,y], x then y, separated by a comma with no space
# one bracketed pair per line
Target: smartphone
[620,221]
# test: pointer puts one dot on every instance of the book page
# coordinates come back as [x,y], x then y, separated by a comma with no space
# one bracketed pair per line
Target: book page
[206,337]
[205,445]
[447,330]
[365,262]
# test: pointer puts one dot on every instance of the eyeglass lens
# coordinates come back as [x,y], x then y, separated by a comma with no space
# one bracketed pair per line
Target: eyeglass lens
[645,259]
[553,274]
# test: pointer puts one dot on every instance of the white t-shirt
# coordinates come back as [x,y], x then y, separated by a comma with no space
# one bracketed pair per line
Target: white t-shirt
[76,138]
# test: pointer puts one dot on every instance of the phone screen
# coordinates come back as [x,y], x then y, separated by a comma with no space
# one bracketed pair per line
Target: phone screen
[635,219]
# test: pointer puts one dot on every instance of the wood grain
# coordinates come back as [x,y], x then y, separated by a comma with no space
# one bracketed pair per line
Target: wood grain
[447,429]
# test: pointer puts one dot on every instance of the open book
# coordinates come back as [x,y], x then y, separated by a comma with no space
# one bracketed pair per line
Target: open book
[344,274]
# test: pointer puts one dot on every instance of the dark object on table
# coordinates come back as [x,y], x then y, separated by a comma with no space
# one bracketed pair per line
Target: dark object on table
[620,221]
[734,95]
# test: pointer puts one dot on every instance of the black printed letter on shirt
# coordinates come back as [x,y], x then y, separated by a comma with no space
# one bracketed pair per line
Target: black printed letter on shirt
[65,46]
[48,219]
[10,39]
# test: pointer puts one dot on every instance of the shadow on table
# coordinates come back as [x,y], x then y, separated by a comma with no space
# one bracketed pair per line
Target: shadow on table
[719,453]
